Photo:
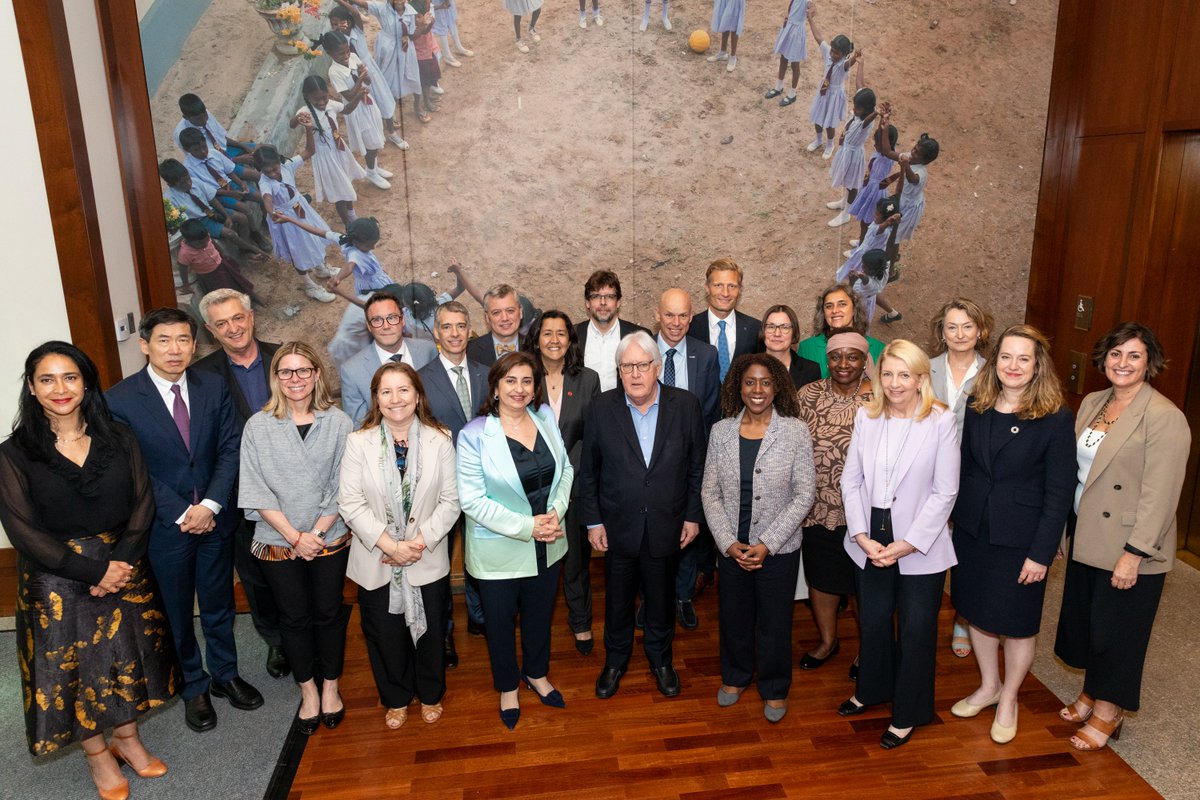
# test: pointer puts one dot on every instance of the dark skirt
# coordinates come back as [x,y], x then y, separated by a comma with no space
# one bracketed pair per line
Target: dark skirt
[984,588]
[827,566]
[431,73]
[226,276]
[89,663]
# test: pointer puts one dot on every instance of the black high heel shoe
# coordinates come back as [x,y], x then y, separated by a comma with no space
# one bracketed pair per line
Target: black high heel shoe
[553,698]
[584,646]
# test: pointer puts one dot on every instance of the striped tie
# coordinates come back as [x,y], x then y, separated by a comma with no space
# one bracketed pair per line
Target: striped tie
[722,351]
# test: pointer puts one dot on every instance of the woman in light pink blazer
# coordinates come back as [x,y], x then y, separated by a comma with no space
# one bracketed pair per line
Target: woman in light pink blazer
[898,488]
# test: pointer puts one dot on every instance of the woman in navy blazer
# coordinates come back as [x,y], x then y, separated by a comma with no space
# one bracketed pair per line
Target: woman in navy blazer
[898,487]
[514,480]
[1014,491]
[570,388]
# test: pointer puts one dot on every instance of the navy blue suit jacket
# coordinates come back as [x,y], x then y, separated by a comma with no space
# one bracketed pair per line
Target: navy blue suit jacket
[704,378]
[443,398]
[211,468]
[747,332]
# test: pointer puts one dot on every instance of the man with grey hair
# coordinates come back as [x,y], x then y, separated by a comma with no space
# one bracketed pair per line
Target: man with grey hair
[503,310]
[644,446]
[244,363]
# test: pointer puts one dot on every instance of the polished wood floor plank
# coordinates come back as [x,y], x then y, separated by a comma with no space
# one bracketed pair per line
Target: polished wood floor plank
[640,745]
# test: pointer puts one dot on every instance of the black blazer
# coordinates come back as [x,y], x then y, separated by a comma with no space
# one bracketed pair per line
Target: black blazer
[443,398]
[633,501]
[578,393]
[211,466]
[803,371]
[1026,489]
[482,349]
[747,332]
[626,328]
[217,362]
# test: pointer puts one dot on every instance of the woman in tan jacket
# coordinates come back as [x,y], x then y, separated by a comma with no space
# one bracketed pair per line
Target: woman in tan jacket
[1132,448]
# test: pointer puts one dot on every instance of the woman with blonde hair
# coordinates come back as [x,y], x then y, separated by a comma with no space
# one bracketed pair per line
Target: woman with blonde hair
[898,487]
[1018,472]
[290,463]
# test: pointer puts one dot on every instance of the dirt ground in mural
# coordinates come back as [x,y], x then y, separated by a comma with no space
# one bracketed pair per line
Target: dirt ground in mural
[607,147]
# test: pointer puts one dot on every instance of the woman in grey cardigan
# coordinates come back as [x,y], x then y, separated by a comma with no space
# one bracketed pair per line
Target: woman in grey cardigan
[759,484]
[291,462]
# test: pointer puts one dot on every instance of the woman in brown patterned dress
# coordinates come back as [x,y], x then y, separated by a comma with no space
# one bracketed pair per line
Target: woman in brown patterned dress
[828,407]
[92,640]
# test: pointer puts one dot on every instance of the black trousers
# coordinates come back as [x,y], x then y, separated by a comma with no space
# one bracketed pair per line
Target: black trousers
[312,622]
[1106,631]
[623,575]
[898,620]
[263,611]
[401,669]
[756,623]
[577,579]
[533,599]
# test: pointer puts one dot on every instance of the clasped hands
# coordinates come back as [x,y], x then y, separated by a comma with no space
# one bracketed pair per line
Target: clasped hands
[546,527]
[115,578]
[748,556]
[405,552]
[880,555]
[198,519]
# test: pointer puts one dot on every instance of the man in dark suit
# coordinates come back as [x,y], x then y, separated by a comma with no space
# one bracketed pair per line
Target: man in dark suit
[385,324]
[690,364]
[244,363]
[503,309]
[599,335]
[455,387]
[184,421]
[643,462]
[730,331]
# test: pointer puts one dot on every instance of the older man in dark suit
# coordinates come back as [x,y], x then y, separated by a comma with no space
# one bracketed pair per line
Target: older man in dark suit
[244,363]
[642,467]
[183,419]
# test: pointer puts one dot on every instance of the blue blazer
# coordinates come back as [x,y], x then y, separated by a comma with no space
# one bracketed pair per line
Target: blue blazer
[1025,489]
[704,377]
[499,530]
[748,329]
[443,397]
[211,468]
[360,368]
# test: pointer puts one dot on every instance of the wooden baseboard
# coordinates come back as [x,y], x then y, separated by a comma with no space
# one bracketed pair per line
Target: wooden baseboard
[8,582]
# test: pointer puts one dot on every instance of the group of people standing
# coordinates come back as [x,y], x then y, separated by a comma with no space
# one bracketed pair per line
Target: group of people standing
[719,444]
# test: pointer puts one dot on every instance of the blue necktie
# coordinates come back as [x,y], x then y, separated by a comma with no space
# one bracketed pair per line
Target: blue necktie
[669,368]
[722,351]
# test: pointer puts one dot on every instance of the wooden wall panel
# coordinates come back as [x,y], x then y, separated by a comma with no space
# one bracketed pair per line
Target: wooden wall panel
[1119,52]
[1180,111]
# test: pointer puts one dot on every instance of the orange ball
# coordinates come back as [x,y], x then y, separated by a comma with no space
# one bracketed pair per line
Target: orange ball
[699,41]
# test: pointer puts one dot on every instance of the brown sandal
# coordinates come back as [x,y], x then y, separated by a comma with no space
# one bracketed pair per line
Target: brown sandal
[1111,729]
[431,714]
[395,718]
[1070,714]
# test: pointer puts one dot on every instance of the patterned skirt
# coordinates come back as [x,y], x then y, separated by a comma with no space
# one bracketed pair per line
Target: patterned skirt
[89,663]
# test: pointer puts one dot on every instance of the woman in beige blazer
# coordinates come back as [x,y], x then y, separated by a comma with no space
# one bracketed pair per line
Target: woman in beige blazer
[400,498]
[1132,451]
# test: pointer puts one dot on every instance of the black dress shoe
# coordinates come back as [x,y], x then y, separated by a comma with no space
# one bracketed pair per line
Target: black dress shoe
[849,708]
[890,741]
[809,661]
[553,698]
[332,719]
[307,725]
[639,619]
[608,682]
[475,628]
[449,651]
[510,717]
[277,662]
[687,614]
[199,713]
[585,646]
[239,693]
[667,679]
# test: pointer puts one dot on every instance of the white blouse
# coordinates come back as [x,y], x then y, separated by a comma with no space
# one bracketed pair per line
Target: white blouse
[1085,454]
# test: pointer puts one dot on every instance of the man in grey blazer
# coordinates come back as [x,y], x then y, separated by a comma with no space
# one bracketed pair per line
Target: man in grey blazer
[689,364]
[385,323]
[455,387]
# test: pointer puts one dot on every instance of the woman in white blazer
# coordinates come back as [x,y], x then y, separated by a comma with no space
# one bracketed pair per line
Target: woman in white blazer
[961,330]
[400,499]
[514,479]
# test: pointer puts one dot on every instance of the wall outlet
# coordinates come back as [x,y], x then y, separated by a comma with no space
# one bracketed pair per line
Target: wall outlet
[124,327]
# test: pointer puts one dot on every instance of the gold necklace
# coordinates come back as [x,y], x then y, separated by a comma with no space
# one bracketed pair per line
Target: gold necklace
[60,440]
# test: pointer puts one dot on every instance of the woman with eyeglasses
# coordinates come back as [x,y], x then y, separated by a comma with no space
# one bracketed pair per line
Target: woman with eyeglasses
[780,333]
[288,484]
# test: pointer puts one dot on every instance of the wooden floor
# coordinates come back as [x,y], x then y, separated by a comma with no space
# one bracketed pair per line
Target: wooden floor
[640,744]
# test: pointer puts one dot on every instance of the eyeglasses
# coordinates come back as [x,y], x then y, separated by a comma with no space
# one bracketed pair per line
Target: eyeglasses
[635,366]
[390,319]
[605,296]
[303,373]
[771,327]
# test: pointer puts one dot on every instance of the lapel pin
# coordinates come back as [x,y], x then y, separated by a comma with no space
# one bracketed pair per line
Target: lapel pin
[1015,429]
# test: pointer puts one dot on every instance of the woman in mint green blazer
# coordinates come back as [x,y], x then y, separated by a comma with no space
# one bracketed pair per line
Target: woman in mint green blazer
[514,481]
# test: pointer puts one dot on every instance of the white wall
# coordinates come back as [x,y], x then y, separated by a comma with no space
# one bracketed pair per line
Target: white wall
[32,308]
